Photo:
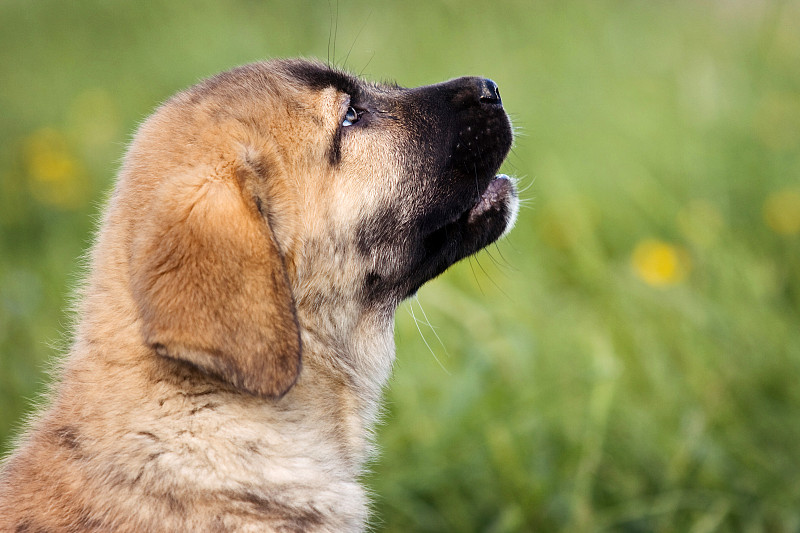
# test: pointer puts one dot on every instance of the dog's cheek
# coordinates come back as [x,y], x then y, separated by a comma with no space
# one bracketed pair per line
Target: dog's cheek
[388,248]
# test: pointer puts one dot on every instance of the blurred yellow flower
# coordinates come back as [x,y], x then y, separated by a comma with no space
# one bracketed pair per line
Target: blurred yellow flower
[56,175]
[660,263]
[782,211]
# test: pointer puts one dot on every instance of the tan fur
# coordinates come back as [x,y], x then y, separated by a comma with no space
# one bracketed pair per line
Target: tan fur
[183,404]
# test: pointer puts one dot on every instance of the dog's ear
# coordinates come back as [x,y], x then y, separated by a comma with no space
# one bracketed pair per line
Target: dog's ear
[211,284]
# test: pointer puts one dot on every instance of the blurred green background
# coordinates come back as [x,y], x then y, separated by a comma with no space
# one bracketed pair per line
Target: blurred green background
[627,360]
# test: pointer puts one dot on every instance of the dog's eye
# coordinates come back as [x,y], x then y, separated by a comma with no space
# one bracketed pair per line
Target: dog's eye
[351,117]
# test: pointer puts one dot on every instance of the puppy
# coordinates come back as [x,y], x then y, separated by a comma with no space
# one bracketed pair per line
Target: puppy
[236,327]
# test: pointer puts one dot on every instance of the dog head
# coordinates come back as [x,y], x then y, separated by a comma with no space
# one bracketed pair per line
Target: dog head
[284,190]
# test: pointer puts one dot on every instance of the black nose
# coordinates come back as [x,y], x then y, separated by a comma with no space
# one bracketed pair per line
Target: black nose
[488,91]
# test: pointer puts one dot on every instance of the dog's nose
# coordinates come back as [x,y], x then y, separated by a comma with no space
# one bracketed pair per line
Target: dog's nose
[488,92]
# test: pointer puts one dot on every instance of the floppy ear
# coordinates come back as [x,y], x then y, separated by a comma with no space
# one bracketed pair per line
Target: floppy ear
[211,284]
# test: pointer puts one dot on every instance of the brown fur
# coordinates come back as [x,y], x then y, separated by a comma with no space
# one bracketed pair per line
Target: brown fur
[227,253]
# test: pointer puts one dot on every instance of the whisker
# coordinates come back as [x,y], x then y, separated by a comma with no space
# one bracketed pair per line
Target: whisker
[335,31]
[527,187]
[428,323]
[344,65]
[368,62]
[491,279]
[475,275]
[506,263]
[416,323]
[330,30]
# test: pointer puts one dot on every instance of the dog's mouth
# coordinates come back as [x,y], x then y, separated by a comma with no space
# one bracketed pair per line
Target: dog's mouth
[499,191]
[444,236]
[487,213]
[470,229]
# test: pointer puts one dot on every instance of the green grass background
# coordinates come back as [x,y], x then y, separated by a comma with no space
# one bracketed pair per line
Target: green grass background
[567,393]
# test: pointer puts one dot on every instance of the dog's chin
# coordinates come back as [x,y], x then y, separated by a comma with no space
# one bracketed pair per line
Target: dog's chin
[472,228]
[479,223]
[500,195]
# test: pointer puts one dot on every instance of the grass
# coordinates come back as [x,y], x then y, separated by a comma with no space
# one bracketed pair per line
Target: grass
[626,361]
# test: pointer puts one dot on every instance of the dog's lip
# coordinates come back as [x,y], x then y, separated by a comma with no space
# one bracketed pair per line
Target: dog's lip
[496,191]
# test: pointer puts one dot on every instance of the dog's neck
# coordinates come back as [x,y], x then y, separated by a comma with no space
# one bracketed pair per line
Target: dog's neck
[352,340]
[354,348]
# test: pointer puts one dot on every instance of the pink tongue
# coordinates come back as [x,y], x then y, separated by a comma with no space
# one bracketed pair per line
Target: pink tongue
[496,189]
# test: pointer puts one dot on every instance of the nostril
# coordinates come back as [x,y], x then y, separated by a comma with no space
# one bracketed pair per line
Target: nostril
[488,92]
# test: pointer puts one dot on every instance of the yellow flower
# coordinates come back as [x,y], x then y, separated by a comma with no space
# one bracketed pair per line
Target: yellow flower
[660,263]
[56,176]
[782,211]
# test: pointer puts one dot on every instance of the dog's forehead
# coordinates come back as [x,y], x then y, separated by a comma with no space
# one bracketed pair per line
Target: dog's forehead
[317,76]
